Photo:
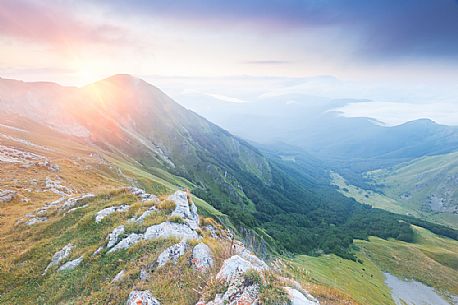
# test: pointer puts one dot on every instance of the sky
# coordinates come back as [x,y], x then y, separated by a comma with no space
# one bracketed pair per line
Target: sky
[398,54]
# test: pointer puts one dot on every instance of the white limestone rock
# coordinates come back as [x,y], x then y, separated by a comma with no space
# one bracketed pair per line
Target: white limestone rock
[35,220]
[142,297]
[60,256]
[108,211]
[71,264]
[298,298]
[145,214]
[119,276]
[127,242]
[114,236]
[238,292]
[171,229]
[74,202]
[172,254]
[202,258]
[142,194]
[236,265]
[7,196]
[184,209]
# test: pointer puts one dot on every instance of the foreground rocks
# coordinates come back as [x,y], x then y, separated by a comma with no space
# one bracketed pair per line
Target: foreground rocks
[59,256]
[185,209]
[108,211]
[71,264]
[114,236]
[202,258]
[172,254]
[142,298]
[298,298]
[236,265]
[171,229]
[7,196]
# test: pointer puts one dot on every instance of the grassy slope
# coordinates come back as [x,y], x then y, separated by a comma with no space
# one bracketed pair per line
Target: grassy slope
[432,260]
[90,283]
[386,202]
[420,179]
[362,282]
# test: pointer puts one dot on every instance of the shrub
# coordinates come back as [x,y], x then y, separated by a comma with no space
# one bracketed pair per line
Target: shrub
[214,287]
[272,295]
[166,205]
[252,277]
[177,219]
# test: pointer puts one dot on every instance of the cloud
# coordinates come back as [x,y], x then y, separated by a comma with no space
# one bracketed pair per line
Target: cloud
[399,113]
[266,62]
[386,28]
[225,98]
[50,22]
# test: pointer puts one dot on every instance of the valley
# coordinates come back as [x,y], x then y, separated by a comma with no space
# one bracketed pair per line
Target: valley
[84,214]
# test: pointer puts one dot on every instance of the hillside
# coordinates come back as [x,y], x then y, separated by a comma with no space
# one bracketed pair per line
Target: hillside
[116,176]
[427,185]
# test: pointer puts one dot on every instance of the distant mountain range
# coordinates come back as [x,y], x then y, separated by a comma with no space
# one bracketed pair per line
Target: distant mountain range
[287,202]
[310,123]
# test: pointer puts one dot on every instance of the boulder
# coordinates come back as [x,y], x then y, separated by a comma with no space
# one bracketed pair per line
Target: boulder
[107,211]
[59,256]
[238,292]
[7,196]
[71,264]
[172,253]
[236,265]
[202,258]
[170,229]
[185,209]
[142,297]
[114,236]
[127,242]
[298,298]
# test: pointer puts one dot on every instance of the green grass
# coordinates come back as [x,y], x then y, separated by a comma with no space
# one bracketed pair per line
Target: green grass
[368,197]
[391,201]
[431,259]
[419,179]
[363,282]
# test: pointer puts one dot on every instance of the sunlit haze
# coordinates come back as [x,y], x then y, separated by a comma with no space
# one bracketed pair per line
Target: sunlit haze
[384,51]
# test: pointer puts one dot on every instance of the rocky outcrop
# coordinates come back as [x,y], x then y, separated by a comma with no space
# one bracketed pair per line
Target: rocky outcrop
[71,203]
[60,256]
[35,220]
[162,230]
[127,242]
[7,196]
[172,254]
[142,297]
[56,187]
[236,265]
[202,258]
[71,264]
[108,211]
[144,196]
[145,214]
[114,236]
[185,209]
[238,292]
[298,298]
[171,229]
